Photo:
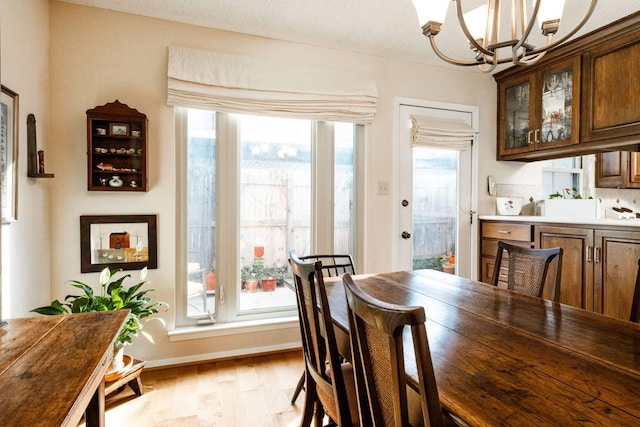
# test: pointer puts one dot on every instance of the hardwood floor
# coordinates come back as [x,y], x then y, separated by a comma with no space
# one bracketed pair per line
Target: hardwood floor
[251,391]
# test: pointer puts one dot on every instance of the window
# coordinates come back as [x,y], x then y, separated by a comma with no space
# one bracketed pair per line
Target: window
[561,174]
[253,188]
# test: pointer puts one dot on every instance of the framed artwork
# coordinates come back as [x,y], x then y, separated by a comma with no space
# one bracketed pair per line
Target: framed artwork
[126,242]
[119,129]
[9,154]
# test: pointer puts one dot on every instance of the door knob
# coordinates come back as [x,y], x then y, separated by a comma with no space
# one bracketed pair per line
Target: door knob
[406,235]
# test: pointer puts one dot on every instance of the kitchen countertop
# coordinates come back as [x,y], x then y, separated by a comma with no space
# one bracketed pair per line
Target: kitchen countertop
[563,220]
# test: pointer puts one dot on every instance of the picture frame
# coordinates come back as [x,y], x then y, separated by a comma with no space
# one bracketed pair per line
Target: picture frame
[9,154]
[118,129]
[127,242]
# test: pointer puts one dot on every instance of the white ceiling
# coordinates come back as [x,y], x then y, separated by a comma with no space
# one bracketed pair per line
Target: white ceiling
[386,28]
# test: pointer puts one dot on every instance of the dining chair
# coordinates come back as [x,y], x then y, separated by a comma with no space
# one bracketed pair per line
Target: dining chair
[376,328]
[635,303]
[333,265]
[329,382]
[527,269]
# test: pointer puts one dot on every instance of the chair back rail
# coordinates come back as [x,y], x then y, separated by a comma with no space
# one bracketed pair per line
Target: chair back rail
[528,269]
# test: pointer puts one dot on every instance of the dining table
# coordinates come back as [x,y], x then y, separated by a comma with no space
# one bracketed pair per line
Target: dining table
[509,359]
[52,368]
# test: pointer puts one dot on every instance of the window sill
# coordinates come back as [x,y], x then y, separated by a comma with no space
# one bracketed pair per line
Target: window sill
[234,328]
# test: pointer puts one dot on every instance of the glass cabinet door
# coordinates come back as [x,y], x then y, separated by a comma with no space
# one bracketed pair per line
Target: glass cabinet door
[516,126]
[557,98]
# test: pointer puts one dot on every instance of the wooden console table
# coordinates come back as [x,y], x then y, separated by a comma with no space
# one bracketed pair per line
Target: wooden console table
[52,368]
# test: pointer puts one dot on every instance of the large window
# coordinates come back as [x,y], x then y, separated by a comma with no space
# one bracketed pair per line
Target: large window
[254,188]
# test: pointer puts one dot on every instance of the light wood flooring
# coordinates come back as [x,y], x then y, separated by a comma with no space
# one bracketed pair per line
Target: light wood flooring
[250,391]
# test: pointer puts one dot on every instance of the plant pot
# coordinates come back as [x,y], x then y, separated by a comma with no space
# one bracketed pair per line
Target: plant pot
[451,269]
[211,281]
[269,284]
[251,285]
[117,363]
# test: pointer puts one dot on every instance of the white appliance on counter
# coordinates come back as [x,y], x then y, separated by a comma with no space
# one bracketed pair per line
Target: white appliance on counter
[617,212]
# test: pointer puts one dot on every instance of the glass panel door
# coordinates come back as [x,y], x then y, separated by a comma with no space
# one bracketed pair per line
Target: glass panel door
[435,207]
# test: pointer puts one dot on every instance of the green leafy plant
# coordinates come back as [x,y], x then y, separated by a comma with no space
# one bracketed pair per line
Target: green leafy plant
[569,193]
[113,296]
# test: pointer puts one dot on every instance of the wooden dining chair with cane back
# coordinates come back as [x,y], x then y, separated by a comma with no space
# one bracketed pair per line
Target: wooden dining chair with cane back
[376,328]
[635,303]
[333,265]
[528,269]
[330,384]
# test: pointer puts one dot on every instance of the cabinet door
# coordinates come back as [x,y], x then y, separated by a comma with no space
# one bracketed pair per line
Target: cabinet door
[515,115]
[634,170]
[618,169]
[559,105]
[615,270]
[576,287]
[611,87]
[611,169]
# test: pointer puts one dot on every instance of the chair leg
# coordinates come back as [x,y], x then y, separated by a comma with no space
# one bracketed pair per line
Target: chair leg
[299,388]
[310,400]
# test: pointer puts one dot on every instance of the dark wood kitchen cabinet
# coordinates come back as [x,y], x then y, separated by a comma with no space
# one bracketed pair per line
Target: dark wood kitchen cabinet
[599,263]
[618,169]
[603,106]
[599,266]
[491,232]
[610,89]
[539,110]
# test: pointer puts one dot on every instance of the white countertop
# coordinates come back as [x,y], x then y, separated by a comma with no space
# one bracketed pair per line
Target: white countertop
[563,220]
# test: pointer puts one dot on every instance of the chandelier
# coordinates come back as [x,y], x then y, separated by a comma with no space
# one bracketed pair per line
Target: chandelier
[481,28]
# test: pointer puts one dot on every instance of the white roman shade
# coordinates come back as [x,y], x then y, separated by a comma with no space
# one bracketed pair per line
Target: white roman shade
[445,133]
[242,84]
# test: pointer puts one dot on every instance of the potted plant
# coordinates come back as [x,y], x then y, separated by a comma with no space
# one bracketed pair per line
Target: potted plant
[113,296]
[448,263]
[210,278]
[249,278]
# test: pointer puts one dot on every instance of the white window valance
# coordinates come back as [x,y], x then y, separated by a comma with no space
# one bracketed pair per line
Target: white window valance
[445,133]
[243,84]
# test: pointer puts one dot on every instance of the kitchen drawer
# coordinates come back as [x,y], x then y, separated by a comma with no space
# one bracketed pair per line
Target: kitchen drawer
[507,231]
[490,247]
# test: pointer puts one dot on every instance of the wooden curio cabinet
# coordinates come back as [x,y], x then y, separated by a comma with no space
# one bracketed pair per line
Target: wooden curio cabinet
[116,148]
[539,110]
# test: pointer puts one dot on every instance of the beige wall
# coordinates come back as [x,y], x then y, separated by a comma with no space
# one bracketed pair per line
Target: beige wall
[24,27]
[97,56]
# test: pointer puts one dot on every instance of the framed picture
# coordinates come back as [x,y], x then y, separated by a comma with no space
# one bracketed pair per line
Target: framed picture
[9,154]
[118,129]
[126,242]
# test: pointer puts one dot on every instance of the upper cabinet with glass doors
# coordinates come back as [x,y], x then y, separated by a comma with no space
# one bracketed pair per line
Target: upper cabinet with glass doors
[539,109]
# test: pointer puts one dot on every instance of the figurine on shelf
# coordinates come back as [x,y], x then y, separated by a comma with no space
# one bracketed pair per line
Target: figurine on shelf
[115,181]
[41,162]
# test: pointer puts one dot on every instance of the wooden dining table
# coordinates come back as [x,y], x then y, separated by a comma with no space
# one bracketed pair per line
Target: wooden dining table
[503,358]
[52,368]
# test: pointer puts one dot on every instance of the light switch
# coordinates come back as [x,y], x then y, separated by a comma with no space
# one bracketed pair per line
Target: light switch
[383,187]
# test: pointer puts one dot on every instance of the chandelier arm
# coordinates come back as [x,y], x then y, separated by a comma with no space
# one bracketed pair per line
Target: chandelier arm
[463,25]
[454,61]
[527,31]
[575,29]
[446,58]
[517,60]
